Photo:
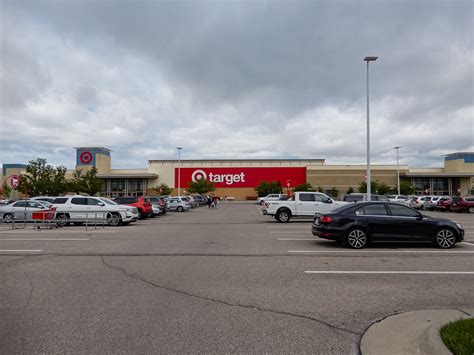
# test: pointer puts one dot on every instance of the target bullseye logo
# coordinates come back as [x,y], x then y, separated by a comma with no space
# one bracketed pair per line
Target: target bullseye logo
[198,175]
[85,157]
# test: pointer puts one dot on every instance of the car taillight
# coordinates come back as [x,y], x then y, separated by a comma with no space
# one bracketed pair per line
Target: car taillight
[325,219]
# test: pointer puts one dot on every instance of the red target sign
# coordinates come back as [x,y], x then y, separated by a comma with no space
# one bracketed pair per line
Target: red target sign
[85,158]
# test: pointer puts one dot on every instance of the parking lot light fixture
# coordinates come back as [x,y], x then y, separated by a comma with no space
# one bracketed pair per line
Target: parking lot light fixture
[179,170]
[398,172]
[368,59]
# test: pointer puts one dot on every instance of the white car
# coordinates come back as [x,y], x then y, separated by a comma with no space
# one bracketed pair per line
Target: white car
[399,198]
[132,211]
[271,197]
[21,210]
[80,209]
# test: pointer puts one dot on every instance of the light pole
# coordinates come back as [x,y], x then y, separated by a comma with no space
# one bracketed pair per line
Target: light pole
[179,170]
[368,59]
[398,172]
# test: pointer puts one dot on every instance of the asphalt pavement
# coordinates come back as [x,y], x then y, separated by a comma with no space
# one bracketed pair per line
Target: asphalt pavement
[226,280]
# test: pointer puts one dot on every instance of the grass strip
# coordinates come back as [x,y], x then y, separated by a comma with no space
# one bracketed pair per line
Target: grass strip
[458,336]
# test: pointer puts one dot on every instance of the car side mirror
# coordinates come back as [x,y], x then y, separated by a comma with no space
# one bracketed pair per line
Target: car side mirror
[101,204]
[329,200]
[419,217]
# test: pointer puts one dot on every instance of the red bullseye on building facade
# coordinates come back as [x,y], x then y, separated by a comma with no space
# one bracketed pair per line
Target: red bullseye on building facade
[85,157]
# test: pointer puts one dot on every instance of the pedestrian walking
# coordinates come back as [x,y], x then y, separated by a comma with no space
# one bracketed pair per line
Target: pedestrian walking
[215,202]
[209,202]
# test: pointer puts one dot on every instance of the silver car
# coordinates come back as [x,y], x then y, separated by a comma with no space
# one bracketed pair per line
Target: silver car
[179,204]
[21,210]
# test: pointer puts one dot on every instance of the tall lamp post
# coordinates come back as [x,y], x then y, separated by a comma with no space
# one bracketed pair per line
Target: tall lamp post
[179,170]
[368,59]
[398,172]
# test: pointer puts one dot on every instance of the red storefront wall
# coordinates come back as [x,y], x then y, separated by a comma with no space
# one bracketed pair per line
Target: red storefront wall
[243,177]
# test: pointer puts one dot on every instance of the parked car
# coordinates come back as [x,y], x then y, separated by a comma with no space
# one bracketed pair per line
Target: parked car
[143,205]
[398,198]
[133,211]
[431,202]
[417,202]
[191,201]
[463,204]
[444,203]
[271,197]
[356,225]
[201,200]
[79,209]
[159,201]
[179,204]
[49,199]
[21,210]
[358,197]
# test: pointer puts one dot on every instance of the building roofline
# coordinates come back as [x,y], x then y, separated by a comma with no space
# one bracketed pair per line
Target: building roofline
[231,160]
[107,149]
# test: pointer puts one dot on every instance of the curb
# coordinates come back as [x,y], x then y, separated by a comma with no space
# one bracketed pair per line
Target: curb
[413,332]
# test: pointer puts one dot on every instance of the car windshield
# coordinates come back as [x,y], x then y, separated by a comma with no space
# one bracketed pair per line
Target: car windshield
[107,201]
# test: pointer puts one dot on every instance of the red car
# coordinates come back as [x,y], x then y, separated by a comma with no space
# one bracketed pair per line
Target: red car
[444,204]
[143,204]
[463,204]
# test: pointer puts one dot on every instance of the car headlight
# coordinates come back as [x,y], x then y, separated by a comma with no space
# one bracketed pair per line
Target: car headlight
[459,225]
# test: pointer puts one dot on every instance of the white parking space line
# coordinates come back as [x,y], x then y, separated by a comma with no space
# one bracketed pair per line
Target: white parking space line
[56,232]
[469,242]
[382,251]
[395,272]
[19,251]
[291,232]
[297,239]
[48,239]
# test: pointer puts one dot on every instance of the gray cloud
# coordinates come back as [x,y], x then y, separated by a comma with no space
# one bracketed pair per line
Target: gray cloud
[237,80]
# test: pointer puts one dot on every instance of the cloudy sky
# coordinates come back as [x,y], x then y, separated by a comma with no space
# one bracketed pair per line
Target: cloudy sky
[236,79]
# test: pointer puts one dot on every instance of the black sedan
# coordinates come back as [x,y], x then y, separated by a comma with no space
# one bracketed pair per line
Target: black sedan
[358,224]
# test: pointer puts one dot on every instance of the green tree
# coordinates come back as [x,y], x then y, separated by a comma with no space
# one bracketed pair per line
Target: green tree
[268,187]
[376,187]
[303,187]
[350,190]
[382,188]
[87,183]
[406,188]
[163,189]
[43,179]
[334,192]
[200,186]
[6,190]
[92,183]
[320,189]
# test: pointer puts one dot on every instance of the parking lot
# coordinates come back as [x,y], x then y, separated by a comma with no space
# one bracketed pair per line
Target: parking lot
[226,280]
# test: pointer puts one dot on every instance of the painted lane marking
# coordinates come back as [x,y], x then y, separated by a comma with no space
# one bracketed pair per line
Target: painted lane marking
[296,239]
[24,239]
[291,232]
[16,251]
[468,242]
[382,251]
[395,272]
[57,232]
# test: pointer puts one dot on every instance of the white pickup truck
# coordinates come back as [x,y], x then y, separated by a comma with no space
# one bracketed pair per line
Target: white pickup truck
[302,204]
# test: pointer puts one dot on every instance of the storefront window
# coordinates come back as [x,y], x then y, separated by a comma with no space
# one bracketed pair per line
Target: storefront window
[117,187]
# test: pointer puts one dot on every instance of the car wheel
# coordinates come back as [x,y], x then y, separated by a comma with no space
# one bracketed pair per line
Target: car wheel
[140,215]
[180,209]
[283,216]
[113,219]
[356,238]
[471,210]
[8,218]
[445,238]
[63,219]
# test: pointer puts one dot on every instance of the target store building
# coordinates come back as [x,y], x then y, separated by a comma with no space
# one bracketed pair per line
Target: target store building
[238,178]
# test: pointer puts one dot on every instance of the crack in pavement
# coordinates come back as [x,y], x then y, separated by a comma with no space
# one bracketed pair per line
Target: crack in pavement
[252,307]
[13,260]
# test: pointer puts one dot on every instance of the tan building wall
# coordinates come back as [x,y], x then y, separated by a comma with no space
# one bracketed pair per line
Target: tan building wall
[458,166]
[345,176]
[103,163]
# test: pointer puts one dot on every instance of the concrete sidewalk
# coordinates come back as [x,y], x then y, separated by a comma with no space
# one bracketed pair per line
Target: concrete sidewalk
[415,332]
